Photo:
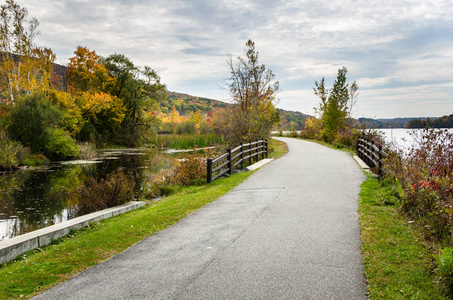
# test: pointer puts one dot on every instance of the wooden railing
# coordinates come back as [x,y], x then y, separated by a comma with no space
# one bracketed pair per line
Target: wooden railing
[229,161]
[371,154]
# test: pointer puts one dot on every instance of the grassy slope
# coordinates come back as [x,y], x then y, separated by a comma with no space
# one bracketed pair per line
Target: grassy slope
[71,255]
[397,263]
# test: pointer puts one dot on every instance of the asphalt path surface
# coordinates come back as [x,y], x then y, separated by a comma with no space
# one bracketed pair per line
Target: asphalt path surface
[290,231]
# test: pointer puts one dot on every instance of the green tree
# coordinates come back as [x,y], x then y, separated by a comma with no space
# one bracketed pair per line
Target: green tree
[42,130]
[323,94]
[141,91]
[336,105]
[253,91]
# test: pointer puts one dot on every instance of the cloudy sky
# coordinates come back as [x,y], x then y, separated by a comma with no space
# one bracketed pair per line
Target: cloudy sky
[399,51]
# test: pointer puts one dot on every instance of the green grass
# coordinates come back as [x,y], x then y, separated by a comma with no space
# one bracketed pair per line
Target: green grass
[277,148]
[326,144]
[187,141]
[100,241]
[398,263]
[323,143]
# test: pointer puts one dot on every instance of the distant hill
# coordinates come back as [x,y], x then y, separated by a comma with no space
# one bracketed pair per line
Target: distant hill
[387,123]
[186,103]
[290,120]
[442,122]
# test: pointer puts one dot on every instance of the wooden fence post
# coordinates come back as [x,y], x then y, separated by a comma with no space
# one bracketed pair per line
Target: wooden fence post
[257,155]
[380,161]
[371,156]
[230,171]
[258,148]
[250,153]
[267,149]
[358,146]
[359,153]
[209,170]
[242,156]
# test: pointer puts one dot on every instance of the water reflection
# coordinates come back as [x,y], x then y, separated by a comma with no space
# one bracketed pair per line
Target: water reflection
[33,199]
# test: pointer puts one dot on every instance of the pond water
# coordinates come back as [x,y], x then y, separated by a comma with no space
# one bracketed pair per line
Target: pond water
[35,198]
[401,137]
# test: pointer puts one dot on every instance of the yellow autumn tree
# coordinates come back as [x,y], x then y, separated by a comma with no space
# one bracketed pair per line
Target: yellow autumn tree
[85,73]
[24,67]
[89,81]
[102,114]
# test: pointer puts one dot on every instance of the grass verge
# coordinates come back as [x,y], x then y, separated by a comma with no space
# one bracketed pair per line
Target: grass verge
[326,144]
[398,264]
[44,268]
[277,148]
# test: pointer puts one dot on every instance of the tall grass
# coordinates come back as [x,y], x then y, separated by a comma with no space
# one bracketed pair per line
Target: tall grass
[187,141]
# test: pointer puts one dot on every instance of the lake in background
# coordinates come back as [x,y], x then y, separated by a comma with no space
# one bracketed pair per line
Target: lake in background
[36,198]
[401,137]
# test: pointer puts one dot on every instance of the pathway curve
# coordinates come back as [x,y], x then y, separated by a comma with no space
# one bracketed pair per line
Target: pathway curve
[290,231]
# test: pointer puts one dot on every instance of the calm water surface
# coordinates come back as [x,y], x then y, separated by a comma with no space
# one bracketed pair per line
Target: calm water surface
[401,137]
[33,199]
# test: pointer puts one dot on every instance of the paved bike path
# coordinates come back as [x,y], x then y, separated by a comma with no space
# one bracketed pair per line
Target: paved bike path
[290,231]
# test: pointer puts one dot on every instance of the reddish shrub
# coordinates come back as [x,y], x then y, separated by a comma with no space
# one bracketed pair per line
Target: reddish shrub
[425,173]
[114,190]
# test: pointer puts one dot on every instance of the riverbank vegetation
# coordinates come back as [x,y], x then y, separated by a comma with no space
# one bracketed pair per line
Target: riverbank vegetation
[192,171]
[96,100]
[187,141]
[406,220]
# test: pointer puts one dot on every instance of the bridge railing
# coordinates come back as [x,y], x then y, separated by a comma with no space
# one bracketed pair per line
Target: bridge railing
[371,154]
[239,156]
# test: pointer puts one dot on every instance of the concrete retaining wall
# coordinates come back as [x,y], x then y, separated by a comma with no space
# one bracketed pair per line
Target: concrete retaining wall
[12,248]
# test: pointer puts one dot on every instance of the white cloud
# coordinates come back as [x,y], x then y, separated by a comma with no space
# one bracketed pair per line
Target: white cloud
[374,82]
[431,67]
[383,43]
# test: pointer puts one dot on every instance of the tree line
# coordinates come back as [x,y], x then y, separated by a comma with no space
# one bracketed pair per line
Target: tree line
[442,122]
[48,110]
[51,112]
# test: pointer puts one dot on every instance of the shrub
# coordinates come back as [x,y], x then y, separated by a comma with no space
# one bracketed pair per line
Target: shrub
[346,138]
[160,184]
[192,170]
[312,129]
[186,127]
[59,145]
[8,152]
[32,160]
[87,150]
[114,190]
[40,132]
[425,174]
[40,115]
